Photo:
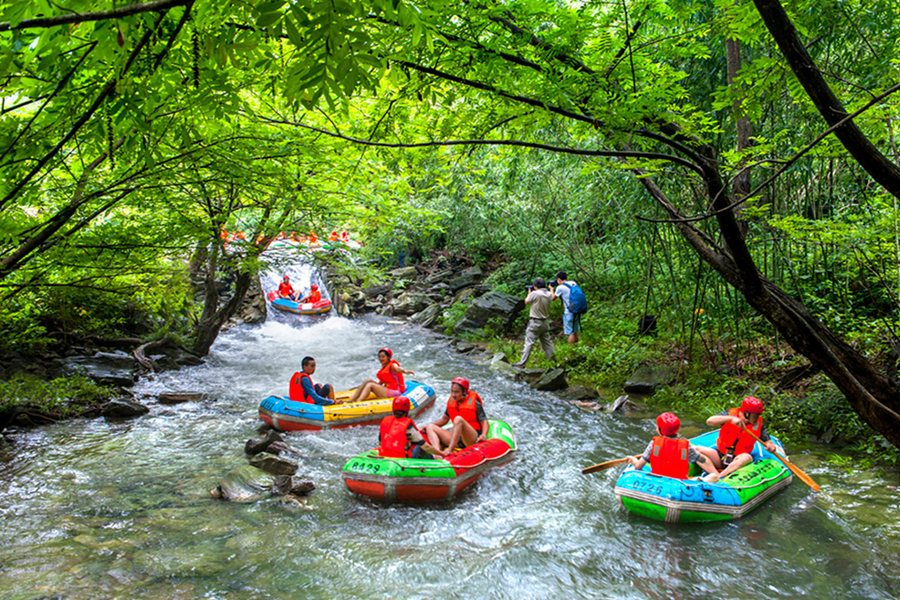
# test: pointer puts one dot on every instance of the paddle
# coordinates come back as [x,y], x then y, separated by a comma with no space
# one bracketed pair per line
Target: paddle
[793,468]
[605,465]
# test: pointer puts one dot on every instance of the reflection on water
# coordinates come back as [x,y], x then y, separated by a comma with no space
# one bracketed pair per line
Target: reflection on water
[96,509]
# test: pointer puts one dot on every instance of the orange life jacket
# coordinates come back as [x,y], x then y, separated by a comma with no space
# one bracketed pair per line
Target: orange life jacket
[313,296]
[467,409]
[669,457]
[390,379]
[393,437]
[732,439]
[285,289]
[296,391]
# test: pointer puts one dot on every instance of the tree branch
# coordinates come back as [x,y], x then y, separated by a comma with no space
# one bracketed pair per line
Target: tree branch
[102,15]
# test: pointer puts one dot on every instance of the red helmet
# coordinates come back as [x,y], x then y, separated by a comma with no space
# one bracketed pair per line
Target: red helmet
[668,423]
[752,405]
[461,382]
[386,351]
[314,287]
[400,403]
[286,278]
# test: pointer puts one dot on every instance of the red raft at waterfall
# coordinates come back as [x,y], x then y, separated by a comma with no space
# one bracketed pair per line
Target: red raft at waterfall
[428,480]
[299,308]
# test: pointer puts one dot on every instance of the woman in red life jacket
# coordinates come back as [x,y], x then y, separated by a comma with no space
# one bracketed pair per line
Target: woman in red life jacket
[302,388]
[398,436]
[314,294]
[465,411]
[285,290]
[670,455]
[390,382]
[734,445]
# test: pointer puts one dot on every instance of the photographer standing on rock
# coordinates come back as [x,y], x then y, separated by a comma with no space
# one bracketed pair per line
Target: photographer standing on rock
[538,321]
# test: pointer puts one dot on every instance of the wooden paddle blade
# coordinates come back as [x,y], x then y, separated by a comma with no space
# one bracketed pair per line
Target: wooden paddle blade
[791,467]
[604,465]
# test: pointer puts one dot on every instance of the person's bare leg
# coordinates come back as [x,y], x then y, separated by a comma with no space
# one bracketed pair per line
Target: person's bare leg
[739,461]
[365,386]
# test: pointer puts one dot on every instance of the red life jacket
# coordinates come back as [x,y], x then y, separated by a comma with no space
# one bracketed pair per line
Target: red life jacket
[467,409]
[285,289]
[732,439]
[313,296]
[669,457]
[393,437]
[393,381]
[296,391]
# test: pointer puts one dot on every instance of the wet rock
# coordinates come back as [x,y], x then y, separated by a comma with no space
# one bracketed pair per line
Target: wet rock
[492,306]
[122,408]
[111,368]
[170,398]
[552,379]
[279,447]
[288,484]
[277,465]
[587,404]
[405,273]
[381,289]
[648,378]
[621,404]
[579,392]
[466,347]
[256,446]
[529,375]
[500,364]
[466,278]
[427,317]
[410,303]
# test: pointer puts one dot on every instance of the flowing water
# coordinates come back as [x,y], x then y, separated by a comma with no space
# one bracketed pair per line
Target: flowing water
[95,509]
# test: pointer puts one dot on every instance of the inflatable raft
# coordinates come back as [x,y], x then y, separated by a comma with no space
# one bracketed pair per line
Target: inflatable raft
[287,415]
[428,480]
[686,500]
[300,308]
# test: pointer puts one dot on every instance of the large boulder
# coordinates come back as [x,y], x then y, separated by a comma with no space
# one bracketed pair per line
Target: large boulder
[504,308]
[380,289]
[244,484]
[427,317]
[551,380]
[466,278]
[405,273]
[648,378]
[111,368]
[410,303]
[270,463]
[120,408]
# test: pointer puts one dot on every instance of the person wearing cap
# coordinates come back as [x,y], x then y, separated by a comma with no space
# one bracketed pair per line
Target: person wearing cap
[734,445]
[302,388]
[285,290]
[389,382]
[538,328]
[465,411]
[398,436]
[670,455]
[314,295]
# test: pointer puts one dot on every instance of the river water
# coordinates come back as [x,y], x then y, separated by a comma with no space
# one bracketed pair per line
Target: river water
[94,509]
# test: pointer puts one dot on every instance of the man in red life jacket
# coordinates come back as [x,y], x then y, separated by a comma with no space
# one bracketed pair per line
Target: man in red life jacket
[314,294]
[465,411]
[285,290]
[670,455]
[398,436]
[734,445]
[302,388]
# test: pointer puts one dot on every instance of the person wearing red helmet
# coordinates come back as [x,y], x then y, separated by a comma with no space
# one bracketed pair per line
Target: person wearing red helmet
[314,295]
[389,382]
[465,411]
[398,436]
[285,290]
[670,455]
[734,445]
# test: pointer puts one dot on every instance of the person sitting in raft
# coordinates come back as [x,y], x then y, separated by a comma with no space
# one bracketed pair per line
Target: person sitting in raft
[302,388]
[465,411]
[314,295]
[285,290]
[333,237]
[390,382]
[734,445]
[398,436]
[670,455]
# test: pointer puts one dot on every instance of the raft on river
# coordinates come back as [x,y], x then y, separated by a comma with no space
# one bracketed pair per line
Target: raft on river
[428,480]
[289,415]
[299,308]
[686,500]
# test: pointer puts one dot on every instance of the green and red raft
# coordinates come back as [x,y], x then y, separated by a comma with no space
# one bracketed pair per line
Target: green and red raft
[428,480]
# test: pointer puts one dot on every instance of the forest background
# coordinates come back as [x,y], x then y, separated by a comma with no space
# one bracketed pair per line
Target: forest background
[729,167]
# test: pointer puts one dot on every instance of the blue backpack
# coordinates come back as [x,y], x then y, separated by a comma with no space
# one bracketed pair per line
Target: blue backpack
[577,299]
